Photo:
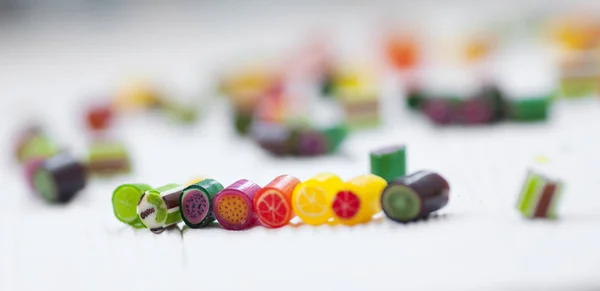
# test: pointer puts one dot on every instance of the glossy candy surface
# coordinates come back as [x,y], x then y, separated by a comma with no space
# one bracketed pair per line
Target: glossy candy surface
[272,203]
[159,208]
[311,199]
[389,162]
[196,203]
[358,200]
[59,178]
[233,205]
[125,199]
[414,196]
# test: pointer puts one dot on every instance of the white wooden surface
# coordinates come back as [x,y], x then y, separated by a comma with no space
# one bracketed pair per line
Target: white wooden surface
[49,67]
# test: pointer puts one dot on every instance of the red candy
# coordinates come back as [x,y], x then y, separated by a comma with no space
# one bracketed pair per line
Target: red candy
[99,117]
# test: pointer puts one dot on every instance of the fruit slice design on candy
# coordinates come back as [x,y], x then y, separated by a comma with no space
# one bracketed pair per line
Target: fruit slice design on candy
[345,205]
[358,200]
[125,199]
[159,208]
[233,205]
[196,203]
[311,199]
[272,203]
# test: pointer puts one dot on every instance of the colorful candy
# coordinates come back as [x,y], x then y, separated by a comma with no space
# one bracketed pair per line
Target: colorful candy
[59,178]
[99,117]
[529,109]
[108,158]
[33,143]
[311,199]
[272,203]
[415,196]
[158,208]
[539,197]
[389,163]
[358,200]
[233,205]
[196,203]
[125,199]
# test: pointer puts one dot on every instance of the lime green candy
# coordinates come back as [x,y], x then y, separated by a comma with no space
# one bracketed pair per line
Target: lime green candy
[44,184]
[125,199]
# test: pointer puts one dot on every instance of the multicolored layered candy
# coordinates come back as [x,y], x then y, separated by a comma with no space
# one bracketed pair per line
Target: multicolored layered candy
[539,196]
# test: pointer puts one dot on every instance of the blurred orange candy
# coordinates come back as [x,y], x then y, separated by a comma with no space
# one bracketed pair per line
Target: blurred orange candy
[402,52]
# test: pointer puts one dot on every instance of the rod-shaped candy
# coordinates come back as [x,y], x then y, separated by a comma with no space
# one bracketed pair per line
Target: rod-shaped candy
[358,200]
[272,203]
[159,208]
[389,162]
[196,202]
[59,178]
[415,196]
[311,199]
[125,199]
[233,205]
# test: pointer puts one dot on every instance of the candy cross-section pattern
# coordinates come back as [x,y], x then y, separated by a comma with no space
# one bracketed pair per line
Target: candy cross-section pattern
[539,196]
[196,203]
[158,208]
[233,205]
[272,203]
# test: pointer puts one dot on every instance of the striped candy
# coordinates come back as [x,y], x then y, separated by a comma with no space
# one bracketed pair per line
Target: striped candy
[539,197]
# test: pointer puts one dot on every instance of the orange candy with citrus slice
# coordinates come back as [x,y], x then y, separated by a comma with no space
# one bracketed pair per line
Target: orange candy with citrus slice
[272,204]
[311,199]
[358,199]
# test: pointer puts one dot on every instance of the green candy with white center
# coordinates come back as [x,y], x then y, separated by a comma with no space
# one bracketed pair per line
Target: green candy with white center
[159,208]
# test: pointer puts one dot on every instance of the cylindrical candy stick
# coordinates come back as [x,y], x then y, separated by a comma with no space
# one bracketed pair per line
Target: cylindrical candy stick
[311,199]
[159,208]
[196,203]
[358,200]
[125,199]
[59,178]
[233,205]
[415,196]
[272,204]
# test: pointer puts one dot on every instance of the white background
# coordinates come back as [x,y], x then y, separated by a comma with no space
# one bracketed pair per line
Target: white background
[53,63]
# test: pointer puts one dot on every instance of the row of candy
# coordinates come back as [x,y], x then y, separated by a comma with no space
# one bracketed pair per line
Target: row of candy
[487,106]
[324,198]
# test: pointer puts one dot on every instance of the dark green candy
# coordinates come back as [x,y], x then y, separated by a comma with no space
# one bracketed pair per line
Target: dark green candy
[389,163]
[207,187]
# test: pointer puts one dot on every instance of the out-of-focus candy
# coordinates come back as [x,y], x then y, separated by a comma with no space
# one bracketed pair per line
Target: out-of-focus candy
[108,158]
[33,143]
[233,205]
[272,203]
[30,167]
[389,162]
[476,110]
[99,117]
[529,109]
[579,74]
[125,199]
[361,105]
[478,48]
[159,209]
[578,33]
[59,178]
[415,196]
[358,200]
[403,52]
[335,135]
[179,113]
[196,203]
[414,97]
[311,199]
[136,96]
[276,138]
[440,111]
[539,197]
